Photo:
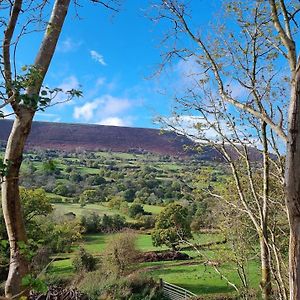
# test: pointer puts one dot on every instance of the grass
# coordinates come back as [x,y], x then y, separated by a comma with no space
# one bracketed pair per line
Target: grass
[95,243]
[192,275]
[200,279]
[154,209]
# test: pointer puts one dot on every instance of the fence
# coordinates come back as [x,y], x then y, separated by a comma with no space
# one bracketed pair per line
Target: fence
[175,292]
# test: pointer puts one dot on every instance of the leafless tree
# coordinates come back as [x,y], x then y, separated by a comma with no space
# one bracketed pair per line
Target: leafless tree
[251,56]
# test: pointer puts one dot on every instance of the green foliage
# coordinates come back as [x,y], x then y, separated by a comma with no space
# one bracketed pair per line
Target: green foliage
[3,168]
[172,225]
[135,210]
[116,202]
[35,203]
[50,166]
[113,223]
[91,223]
[62,236]
[35,284]
[31,77]
[87,196]
[120,253]
[62,190]
[84,261]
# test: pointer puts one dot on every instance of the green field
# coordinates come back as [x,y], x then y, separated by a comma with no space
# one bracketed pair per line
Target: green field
[100,209]
[193,275]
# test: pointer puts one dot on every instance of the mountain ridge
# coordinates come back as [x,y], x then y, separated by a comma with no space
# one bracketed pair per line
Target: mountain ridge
[72,136]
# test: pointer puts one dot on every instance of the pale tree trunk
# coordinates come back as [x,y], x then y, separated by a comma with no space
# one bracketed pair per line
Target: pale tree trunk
[265,283]
[293,186]
[265,255]
[11,203]
[12,210]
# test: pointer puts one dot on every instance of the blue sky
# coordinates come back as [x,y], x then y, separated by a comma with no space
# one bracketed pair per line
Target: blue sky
[110,57]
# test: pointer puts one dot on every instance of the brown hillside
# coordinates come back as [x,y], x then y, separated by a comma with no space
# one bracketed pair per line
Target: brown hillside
[60,136]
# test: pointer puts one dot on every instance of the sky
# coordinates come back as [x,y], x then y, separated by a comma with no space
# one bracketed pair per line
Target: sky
[111,58]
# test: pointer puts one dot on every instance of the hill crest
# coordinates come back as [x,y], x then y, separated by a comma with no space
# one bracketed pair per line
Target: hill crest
[70,137]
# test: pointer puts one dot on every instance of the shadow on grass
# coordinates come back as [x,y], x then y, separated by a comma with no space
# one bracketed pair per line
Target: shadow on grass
[94,238]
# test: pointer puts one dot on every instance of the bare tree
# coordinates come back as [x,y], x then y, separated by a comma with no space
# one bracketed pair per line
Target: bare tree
[25,94]
[252,57]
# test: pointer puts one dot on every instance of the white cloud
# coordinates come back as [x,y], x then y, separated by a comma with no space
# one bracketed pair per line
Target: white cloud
[114,121]
[68,84]
[68,45]
[97,57]
[113,106]
[107,108]
[202,130]
[86,111]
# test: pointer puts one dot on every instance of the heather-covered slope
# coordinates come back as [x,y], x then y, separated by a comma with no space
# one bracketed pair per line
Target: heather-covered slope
[61,136]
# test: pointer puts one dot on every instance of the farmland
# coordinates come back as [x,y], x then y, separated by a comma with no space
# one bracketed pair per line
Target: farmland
[87,189]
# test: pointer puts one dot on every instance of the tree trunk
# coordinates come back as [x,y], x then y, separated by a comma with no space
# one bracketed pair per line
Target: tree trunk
[11,205]
[266,286]
[292,178]
[265,283]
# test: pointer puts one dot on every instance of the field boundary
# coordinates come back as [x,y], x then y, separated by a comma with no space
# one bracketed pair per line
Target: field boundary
[175,292]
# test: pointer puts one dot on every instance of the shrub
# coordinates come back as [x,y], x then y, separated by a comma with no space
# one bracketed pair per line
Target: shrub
[84,261]
[134,287]
[135,210]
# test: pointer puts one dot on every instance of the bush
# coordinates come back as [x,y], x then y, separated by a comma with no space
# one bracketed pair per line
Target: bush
[113,223]
[134,287]
[84,261]
[91,223]
[135,210]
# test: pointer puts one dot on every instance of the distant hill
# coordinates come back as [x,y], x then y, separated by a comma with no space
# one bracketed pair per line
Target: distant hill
[69,137]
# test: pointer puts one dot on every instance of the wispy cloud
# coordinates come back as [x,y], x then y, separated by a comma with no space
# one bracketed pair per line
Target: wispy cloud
[68,45]
[98,57]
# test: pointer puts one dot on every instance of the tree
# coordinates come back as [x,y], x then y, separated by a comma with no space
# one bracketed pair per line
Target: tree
[135,209]
[24,92]
[171,226]
[246,58]
[120,253]
[34,203]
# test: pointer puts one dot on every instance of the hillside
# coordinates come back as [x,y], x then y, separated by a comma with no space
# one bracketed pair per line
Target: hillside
[69,137]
